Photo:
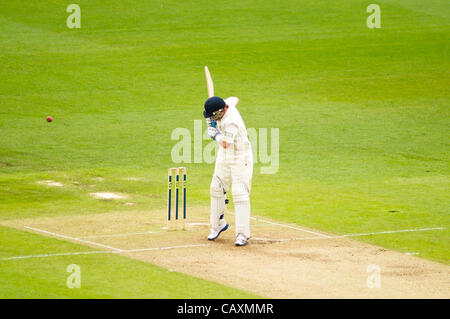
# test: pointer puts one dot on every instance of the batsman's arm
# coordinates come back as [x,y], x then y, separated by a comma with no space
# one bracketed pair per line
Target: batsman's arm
[232,100]
[228,136]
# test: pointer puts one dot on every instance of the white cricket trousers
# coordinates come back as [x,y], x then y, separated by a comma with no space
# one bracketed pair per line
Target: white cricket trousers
[235,171]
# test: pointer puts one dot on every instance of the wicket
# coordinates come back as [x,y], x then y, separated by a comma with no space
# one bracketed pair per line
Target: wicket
[183,196]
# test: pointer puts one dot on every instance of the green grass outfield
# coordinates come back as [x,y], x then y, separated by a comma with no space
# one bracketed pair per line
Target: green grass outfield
[363,118]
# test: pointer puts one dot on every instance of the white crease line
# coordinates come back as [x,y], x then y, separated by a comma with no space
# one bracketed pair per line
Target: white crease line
[103,252]
[282,240]
[123,234]
[291,227]
[198,224]
[393,231]
[137,233]
[202,245]
[73,238]
[287,226]
[363,234]
[60,254]
[162,248]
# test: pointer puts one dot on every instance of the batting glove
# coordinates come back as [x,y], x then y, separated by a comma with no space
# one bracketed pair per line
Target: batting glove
[213,132]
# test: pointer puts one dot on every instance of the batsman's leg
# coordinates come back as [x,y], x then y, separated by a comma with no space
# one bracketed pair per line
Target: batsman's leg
[241,186]
[218,188]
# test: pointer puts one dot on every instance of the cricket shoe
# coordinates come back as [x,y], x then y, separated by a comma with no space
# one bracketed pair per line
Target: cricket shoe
[216,232]
[241,240]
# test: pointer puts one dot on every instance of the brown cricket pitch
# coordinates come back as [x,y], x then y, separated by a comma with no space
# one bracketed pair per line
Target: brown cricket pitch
[273,265]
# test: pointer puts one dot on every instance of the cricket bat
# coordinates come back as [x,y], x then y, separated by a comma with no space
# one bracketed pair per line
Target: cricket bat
[209,82]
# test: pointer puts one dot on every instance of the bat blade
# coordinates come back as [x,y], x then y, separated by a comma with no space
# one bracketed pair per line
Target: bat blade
[209,82]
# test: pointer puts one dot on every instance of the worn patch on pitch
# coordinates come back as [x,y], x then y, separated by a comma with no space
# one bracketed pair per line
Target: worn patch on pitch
[107,195]
[51,183]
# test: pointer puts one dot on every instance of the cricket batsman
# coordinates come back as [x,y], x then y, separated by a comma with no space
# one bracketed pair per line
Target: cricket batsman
[234,166]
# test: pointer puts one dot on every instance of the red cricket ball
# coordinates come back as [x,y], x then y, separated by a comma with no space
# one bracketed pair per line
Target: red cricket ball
[49,119]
